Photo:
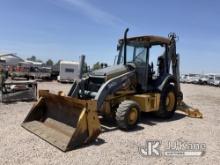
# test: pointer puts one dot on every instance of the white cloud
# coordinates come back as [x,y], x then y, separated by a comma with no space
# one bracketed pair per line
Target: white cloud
[95,13]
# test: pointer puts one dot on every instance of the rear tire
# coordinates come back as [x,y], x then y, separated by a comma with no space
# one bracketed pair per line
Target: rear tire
[168,102]
[127,114]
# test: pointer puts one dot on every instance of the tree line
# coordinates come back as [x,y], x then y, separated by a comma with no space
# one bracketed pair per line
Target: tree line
[50,63]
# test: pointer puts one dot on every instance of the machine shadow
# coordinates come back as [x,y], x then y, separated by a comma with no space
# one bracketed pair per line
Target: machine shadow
[96,142]
[108,126]
[150,119]
[146,118]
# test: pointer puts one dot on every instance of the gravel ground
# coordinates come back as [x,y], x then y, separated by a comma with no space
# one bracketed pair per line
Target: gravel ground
[113,146]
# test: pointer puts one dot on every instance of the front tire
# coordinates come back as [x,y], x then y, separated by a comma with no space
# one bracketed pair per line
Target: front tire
[168,102]
[127,114]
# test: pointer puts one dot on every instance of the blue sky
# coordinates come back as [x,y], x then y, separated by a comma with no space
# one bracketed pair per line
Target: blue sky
[65,29]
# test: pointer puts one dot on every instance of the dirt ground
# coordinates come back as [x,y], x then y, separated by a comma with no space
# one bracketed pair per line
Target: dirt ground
[18,146]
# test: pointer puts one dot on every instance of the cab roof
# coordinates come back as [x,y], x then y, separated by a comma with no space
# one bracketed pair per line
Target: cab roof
[150,39]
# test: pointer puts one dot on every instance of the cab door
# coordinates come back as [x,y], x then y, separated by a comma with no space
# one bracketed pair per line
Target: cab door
[140,61]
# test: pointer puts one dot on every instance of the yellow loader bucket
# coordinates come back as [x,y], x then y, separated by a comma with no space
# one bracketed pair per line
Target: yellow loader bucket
[63,121]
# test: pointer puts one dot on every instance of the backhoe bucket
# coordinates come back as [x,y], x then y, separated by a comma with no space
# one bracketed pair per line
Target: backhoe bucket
[62,121]
[189,111]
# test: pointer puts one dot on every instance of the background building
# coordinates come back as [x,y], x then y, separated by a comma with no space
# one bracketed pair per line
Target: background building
[11,59]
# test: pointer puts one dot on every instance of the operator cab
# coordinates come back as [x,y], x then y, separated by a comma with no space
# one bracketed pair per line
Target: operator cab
[148,56]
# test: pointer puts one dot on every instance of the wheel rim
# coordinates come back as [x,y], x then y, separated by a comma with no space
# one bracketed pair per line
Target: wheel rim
[133,115]
[170,101]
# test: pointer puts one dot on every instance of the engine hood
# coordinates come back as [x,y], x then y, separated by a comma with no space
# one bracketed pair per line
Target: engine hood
[111,71]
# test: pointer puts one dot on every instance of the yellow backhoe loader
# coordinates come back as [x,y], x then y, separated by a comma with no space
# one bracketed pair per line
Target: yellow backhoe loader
[120,92]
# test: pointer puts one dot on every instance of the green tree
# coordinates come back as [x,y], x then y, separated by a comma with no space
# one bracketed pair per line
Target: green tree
[38,60]
[32,58]
[49,62]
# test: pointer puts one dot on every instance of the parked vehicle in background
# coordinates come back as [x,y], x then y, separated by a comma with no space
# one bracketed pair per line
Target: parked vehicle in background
[40,73]
[217,80]
[29,71]
[214,79]
[69,71]
[20,71]
[183,78]
[193,78]
[211,79]
[203,80]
